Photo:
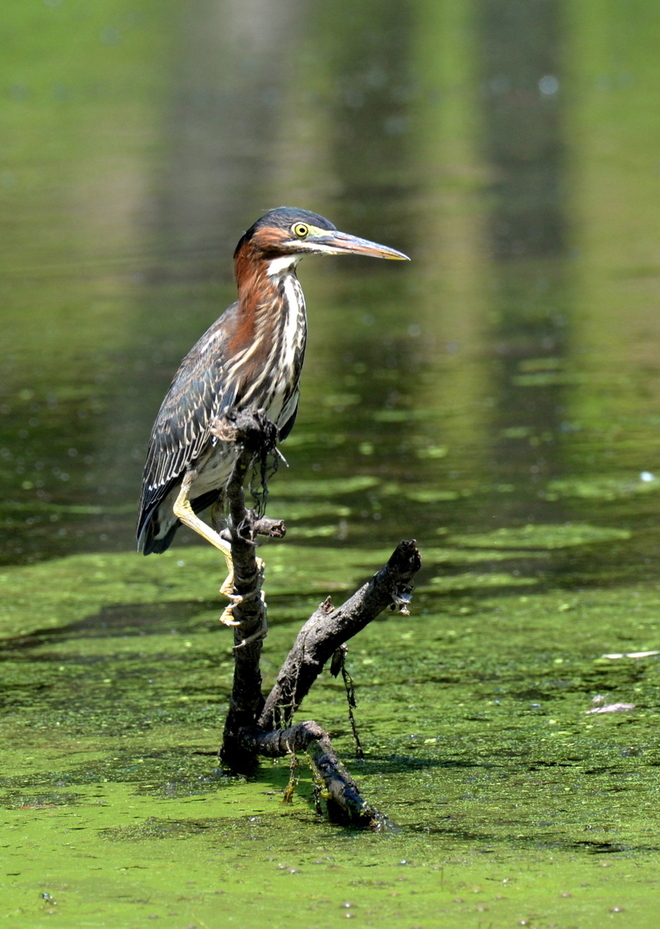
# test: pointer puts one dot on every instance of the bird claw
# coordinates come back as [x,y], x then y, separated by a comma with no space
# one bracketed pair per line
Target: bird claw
[227,590]
[227,617]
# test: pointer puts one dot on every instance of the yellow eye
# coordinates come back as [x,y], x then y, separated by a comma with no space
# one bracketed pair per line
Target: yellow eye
[301,230]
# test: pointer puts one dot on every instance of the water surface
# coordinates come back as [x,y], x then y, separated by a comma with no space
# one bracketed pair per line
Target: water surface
[497,399]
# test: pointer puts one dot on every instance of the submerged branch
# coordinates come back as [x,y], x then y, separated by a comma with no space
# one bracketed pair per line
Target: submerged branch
[341,793]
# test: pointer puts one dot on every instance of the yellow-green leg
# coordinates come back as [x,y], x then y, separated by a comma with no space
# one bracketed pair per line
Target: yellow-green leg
[183,510]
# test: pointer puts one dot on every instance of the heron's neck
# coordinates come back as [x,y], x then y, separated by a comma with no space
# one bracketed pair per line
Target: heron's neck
[271,305]
[257,275]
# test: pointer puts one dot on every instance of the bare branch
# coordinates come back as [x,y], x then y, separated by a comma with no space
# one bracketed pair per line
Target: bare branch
[254,435]
[329,628]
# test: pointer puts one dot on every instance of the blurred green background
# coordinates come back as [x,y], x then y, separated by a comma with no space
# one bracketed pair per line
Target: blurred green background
[497,398]
[510,148]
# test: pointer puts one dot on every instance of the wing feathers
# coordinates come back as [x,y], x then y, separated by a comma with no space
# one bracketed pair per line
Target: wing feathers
[232,364]
[181,431]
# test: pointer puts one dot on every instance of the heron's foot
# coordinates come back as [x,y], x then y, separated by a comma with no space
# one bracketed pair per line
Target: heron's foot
[227,590]
[229,620]
[227,617]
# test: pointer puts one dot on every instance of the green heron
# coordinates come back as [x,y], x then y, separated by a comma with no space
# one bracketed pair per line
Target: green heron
[251,357]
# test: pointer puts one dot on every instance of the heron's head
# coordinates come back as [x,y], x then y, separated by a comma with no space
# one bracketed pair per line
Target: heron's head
[283,236]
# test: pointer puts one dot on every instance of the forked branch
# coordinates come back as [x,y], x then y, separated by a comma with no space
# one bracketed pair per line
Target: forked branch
[255,727]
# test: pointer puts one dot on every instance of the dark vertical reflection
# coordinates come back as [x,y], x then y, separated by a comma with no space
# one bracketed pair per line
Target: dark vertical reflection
[372,90]
[227,90]
[520,45]
[234,61]
[368,46]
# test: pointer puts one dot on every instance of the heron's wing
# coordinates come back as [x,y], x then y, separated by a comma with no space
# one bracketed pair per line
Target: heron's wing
[290,420]
[197,395]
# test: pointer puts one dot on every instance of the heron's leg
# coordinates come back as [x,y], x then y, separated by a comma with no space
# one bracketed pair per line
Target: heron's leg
[217,517]
[183,510]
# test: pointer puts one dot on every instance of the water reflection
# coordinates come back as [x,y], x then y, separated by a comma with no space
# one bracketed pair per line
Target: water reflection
[370,54]
[521,76]
[441,129]
[233,63]
[522,105]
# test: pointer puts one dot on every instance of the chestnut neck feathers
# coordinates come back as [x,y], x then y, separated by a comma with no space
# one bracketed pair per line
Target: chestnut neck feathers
[271,320]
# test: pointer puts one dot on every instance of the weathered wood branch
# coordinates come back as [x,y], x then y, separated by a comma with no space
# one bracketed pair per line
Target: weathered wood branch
[253,727]
[328,628]
[341,793]
[254,435]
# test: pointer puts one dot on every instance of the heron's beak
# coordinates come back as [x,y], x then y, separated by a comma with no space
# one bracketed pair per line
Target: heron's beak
[339,243]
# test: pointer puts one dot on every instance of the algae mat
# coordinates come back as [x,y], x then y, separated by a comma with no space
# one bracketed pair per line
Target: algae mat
[516,803]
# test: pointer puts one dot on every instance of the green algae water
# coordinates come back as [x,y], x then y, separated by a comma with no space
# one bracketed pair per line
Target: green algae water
[515,795]
[498,399]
